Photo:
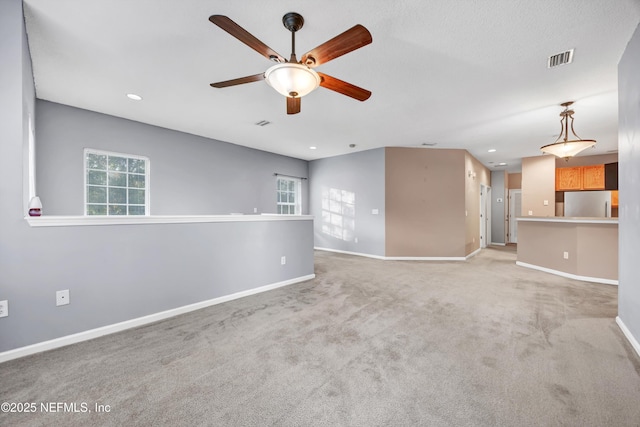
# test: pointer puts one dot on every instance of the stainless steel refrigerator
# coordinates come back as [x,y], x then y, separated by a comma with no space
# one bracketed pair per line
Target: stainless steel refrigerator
[587,203]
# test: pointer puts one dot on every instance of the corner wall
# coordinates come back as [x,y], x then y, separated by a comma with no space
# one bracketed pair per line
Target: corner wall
[629,187]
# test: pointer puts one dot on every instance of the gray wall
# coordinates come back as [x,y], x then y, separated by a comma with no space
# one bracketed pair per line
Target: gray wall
[120,272]
[362,174]
[190,175]
[498,209]
[629,185]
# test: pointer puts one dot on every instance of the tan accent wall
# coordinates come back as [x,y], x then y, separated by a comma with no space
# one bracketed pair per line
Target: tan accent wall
[425,202]
[515,181]
[432,202]
[592,248]
[538,186]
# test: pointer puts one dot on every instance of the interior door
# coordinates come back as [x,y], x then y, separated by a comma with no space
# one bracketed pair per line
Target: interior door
[515,210]
[485,215]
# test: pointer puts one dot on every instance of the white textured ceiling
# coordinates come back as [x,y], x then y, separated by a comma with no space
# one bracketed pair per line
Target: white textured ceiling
[457,73]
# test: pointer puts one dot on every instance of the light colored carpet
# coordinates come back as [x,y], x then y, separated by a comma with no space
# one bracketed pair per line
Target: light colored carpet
[368,342]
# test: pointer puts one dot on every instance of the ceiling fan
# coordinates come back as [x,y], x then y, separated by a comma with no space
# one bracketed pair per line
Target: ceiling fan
[294,78]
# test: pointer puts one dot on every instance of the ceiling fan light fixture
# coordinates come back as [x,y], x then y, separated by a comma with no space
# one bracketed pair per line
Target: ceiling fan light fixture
[565,147]
[292,79]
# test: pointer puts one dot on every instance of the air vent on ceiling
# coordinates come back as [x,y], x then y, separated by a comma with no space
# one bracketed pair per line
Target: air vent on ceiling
[263,123]
[560,59]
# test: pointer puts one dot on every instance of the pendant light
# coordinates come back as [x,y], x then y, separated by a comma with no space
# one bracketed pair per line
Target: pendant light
[565,147]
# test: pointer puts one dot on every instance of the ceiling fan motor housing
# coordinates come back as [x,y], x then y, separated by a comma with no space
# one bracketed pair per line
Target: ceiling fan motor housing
[293,21]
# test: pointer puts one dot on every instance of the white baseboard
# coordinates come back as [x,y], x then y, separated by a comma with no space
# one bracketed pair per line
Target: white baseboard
[399,258]
[497,244]
[627,333]
[128,324]
[568,275]
[349,253]
[472,254]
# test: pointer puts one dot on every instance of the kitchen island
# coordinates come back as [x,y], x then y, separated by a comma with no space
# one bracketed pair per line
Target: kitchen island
[576,247]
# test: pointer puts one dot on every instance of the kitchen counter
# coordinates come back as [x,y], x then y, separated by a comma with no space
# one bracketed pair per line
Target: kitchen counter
[581,248]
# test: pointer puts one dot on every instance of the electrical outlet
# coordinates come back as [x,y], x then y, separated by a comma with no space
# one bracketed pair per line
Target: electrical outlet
[546,203]
[375,211]
[530,212]
[62,297]
[283,260]
[355,240]
[4,308]
[565,255]
[255,210]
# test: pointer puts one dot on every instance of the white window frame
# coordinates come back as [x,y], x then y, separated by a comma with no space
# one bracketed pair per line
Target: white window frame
[297,204]
[147,169]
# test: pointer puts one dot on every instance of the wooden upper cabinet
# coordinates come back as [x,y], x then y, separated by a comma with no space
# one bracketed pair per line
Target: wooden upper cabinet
[593,177]
[568,179]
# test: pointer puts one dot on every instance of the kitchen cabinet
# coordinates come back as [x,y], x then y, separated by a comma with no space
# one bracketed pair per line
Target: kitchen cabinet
[611,176]
[614,199]
[593,177]
[569,179]
[578,178]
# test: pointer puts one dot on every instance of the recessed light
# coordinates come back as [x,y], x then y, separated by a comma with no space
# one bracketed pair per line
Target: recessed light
[492,150]
[312,148]
[502,164]
[134,97]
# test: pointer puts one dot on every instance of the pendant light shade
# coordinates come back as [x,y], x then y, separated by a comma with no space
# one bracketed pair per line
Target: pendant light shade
[565,147]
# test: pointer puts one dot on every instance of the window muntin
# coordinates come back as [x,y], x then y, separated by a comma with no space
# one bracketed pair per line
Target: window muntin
[116,184]
[288,196]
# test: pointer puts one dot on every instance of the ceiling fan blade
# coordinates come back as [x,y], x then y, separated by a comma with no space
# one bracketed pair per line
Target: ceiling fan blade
[343,87]
[239,81]
[245,37]
[352,39]
[293,105]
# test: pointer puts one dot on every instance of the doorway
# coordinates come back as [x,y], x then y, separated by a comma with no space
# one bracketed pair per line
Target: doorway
[485,215]
[515,210]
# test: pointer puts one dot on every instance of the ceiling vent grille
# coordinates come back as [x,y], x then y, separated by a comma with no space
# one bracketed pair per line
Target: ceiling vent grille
[560,59]
[263,123]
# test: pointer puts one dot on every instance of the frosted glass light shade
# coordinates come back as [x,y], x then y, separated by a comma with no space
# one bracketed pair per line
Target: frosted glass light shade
[569,148]
[292,79]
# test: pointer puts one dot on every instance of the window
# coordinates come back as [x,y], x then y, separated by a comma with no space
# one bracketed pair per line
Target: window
[116,184]
[288,196]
